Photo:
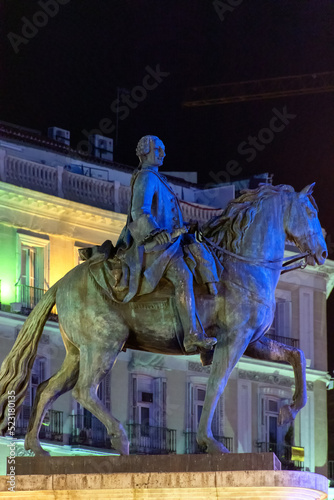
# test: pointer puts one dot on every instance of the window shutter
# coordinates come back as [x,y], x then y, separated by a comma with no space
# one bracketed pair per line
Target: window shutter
[283,312]
[134,417]
[218,418]
[164,403]
[159,402]
[107,391]
[190,408]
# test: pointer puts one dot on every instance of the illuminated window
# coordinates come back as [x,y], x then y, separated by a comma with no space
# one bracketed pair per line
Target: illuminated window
[32,269]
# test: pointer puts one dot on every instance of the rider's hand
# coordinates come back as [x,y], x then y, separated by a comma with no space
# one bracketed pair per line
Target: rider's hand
[162,238]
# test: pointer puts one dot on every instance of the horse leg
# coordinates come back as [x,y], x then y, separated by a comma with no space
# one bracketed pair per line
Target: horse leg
[47,392]
[228,351]
[95,362]
[270,350]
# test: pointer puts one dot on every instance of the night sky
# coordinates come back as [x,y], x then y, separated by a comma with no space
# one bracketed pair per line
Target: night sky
[66,72]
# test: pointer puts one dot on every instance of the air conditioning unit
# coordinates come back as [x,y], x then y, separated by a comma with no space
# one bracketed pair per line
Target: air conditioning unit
[60,135]
[102,147]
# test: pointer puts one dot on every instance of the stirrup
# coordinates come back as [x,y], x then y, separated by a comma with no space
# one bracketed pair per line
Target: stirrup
[193,342]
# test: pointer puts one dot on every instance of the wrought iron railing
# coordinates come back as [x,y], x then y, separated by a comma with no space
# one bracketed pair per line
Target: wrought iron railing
[191,445]
[51,429]
[284,340]
[291,457]
[149,439]
[28,296]
[331,472]
[87,430]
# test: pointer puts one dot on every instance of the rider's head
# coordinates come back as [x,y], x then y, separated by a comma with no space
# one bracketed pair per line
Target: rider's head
[150,151]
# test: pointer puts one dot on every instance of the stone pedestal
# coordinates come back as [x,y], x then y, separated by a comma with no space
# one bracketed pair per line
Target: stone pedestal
[162,477]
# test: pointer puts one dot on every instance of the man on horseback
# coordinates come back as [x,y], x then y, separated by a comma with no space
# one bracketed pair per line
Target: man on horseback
[155,239]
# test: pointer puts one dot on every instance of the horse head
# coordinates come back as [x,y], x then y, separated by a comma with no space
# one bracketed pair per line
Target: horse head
[302,225]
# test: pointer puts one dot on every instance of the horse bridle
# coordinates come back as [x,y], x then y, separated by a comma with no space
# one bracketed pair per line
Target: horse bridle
[285,264]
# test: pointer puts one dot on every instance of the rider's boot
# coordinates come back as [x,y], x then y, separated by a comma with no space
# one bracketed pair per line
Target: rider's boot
[179,274]
[198,340]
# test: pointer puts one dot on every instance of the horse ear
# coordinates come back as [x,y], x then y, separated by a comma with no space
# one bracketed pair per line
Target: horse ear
[308,189]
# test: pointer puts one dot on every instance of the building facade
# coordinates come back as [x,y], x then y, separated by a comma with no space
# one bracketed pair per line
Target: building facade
[53,202]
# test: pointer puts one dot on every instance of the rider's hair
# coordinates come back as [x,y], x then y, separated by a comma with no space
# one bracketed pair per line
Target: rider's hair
[144,145]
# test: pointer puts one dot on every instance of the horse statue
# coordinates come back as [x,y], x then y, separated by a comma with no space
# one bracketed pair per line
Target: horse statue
[249,237]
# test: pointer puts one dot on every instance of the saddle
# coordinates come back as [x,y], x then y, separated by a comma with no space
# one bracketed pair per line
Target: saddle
[106,271]
[107,249]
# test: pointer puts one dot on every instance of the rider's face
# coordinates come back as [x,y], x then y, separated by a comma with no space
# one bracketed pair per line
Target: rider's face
[156,155]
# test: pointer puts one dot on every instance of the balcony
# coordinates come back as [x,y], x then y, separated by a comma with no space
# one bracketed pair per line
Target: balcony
[284,340]
[27,298]
[101,193]
[52,427]
[87,430]
[191,445]
[146,439]
[331,472]
[291,457]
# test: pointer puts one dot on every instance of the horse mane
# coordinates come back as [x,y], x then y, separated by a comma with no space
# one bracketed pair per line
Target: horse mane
[228,228]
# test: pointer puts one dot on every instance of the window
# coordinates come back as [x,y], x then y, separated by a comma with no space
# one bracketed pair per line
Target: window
[148,400]
[147,423]
[281,325]
[86,428]
[272,436]
[199,396]
[39,373]
[195,403]
[196,397]
[33,269]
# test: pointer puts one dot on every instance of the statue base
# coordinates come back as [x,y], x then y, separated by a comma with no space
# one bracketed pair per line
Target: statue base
[233,476]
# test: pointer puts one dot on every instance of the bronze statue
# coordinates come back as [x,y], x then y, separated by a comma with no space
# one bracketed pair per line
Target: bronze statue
[154,244]
[95,329]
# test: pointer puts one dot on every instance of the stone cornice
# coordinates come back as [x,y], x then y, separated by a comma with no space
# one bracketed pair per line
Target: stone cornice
[267,378]
[53,215]
[268,368]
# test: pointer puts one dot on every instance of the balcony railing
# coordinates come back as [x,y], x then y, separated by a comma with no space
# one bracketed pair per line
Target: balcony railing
[284,340]
[52,427]
[191,445]
[154,440]
[331,472]
[28,297]
[291,457]
[31,175]
[87,430]
[101,193]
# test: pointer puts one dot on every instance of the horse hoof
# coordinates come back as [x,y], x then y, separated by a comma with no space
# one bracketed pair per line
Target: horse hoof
[214,447]
[120,444]
[36,448]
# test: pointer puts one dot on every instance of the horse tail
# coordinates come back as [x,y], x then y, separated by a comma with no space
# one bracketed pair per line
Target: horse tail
[15,369]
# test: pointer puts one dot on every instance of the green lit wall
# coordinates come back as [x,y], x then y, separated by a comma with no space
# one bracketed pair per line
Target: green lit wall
[7,263]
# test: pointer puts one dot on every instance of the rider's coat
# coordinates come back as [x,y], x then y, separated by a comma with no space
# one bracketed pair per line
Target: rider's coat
[154,208]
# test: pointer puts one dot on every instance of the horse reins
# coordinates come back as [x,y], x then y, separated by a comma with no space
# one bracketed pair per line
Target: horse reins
[286,264]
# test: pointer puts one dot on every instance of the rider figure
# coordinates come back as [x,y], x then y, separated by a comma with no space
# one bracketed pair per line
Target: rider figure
[155,223]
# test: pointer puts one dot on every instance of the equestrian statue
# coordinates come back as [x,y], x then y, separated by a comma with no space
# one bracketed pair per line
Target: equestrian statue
[209,291]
